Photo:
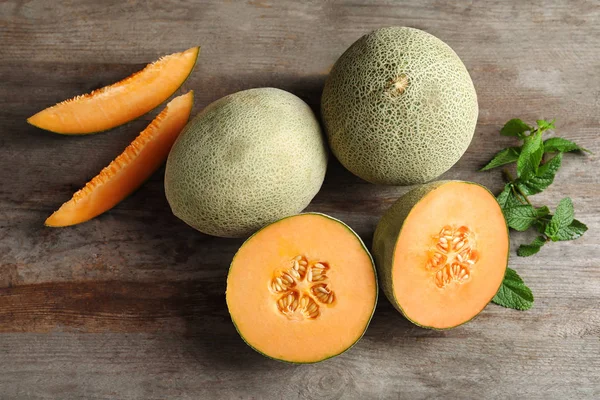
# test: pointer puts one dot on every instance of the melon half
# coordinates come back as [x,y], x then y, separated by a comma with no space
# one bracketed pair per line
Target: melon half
[399,107]
[302,289]
[441,252]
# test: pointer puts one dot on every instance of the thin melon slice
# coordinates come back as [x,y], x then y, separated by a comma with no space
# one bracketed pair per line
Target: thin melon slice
[121,102]
[302,289]
[130,169]
[441,252]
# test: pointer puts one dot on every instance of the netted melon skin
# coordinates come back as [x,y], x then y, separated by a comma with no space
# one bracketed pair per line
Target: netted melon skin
[387,232]
[399,107]
[247,160]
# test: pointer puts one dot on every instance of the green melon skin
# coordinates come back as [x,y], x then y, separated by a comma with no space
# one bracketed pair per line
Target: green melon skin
[247,160]
[399,107]
[386,236]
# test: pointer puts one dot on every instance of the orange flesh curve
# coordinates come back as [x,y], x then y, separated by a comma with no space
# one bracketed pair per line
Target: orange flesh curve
[318,315]
[130,169]
[121,102]
[443,283]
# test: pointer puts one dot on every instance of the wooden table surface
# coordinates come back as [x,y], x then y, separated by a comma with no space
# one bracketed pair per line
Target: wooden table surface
[131,305]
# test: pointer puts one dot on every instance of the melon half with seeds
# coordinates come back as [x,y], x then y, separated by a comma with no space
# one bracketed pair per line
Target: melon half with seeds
[121,102]
[302,289]
[441,252]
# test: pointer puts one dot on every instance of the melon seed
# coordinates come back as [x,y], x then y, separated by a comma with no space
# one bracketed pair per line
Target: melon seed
[298,296]
[452,256]
[322,293]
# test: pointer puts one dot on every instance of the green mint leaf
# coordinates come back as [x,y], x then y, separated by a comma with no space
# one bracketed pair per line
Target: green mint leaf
[571,232]
[557,144]
[542,211]
[513,293]
[563,216]
[531,156]
[515,127]
[544,125]
[504,197]
[544,177]
[521,217]
[543,217]
[526,250]
[540,225]
[506,156]
[507,198]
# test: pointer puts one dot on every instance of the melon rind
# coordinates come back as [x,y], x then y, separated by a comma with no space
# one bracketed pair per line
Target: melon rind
[376,291]
[393,138]
[386,236]
[247,160]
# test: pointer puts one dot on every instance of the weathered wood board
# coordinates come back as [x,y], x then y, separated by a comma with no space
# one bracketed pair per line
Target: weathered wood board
[131,305]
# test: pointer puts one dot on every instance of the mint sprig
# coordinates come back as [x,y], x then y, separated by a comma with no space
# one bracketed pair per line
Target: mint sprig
[515,127]
[571,232]
[563,216]
[530,156]
[544,177]
[503,157]
[513,292]
[557,144]
[526,250]
[537,162]
[523,216]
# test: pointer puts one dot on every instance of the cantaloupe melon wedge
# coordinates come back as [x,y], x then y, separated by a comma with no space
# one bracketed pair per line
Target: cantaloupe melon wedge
[302,289]
[441,252]
[130,169]
[121,102]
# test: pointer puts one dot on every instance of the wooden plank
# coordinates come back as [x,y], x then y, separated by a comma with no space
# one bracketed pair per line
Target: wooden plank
[170,306]
[148,366]
[131,305]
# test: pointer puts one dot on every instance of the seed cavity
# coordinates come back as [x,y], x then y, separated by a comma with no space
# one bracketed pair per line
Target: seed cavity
[302,288]
[322,293]
[452,256]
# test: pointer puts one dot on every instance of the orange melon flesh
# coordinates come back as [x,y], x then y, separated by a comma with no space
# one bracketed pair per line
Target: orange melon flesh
[302,335]
[130,169]
[448,293]
[121,102]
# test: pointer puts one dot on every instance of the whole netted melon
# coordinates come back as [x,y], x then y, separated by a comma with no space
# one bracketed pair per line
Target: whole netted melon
[399,107]
[247,160]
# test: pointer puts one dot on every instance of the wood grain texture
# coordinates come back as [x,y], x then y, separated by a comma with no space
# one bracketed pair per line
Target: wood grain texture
[131,305]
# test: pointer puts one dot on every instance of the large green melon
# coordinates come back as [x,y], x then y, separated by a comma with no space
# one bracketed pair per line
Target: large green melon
[247,160]
[399,107]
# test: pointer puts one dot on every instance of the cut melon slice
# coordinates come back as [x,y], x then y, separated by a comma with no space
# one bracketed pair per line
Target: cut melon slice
[130,169]
[302,289]
[441,252]
[121,102]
